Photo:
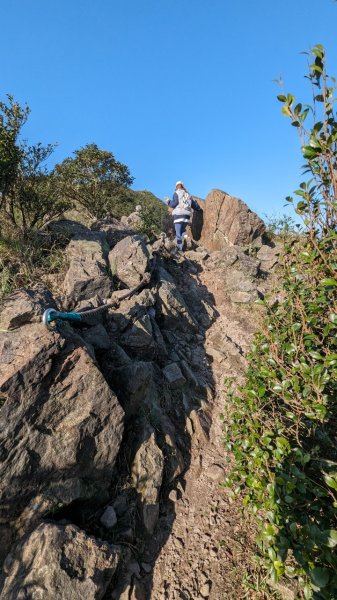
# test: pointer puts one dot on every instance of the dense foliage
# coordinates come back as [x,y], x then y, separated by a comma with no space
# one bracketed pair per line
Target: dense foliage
[95,180]
[153,212]
[282,429]
[28,195]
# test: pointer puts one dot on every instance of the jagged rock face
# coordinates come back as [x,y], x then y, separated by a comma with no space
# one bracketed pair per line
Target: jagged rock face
[60,423]
[113,229]
[25,306]
[59,562]
[63,442]
[129,260]
[87,275]
[228,220]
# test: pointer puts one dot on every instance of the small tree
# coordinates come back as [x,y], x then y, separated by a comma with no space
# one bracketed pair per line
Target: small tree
[317,128]
[94,179]
[28,193]
[12,118]
[282,429]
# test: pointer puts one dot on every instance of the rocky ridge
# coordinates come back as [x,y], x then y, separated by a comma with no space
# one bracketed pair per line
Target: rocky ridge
[110,437]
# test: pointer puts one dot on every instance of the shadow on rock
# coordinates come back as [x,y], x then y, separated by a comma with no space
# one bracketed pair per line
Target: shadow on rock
[166,395]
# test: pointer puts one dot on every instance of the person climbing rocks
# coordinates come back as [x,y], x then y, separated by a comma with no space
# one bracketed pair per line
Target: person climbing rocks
[182,204]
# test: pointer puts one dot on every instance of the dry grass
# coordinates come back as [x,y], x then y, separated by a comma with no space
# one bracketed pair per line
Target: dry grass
[26,261]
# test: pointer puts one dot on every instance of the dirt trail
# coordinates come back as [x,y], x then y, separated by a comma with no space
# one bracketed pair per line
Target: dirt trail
[209,548]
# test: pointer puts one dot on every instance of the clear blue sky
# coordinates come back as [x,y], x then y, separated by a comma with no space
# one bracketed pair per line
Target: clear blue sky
[176,89]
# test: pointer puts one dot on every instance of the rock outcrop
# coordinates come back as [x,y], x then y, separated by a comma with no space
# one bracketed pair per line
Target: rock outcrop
[58,562]
[60,424]
[228,220]
[99,421]
[129,259]
[87,275]
[113,229]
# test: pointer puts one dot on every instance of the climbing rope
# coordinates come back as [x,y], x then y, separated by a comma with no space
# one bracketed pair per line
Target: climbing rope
[51,315]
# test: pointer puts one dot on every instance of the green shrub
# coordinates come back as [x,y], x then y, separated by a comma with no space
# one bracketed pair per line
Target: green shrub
[28,195]
[94,179]
[282,426]
[153,213]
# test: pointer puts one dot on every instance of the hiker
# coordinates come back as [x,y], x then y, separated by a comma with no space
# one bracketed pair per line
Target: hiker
[182,204]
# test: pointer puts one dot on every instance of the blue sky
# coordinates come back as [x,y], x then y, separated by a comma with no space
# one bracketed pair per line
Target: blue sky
[176,89]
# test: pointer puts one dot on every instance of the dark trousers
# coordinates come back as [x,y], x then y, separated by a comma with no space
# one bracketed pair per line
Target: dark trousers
[180,228]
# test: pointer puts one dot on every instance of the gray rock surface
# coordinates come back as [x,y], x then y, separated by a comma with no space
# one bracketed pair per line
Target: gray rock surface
[25,306]
[60,423]
[173,375]
[172,308]
[113,229]
[97,336]
[109,517]
[57,562]
[228,220]
[129,260]
[147,474]
[269,256]
[87,275]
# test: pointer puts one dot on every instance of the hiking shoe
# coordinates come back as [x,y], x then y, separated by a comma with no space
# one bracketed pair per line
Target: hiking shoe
[185,241]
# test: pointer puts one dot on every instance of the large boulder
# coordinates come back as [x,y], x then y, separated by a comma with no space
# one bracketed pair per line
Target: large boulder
[114,230]
[58,562]
[60,424]
[87,275]
[25,306]
[67,228]
[134,220]
[129,260]
[240,273]
[228,220]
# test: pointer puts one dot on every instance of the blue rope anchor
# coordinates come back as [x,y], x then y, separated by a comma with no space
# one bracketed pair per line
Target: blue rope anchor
[51,315]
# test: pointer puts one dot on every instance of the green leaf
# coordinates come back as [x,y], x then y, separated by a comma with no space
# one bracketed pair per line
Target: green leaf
[286,111]
[320,576]
[307,592]
[328,282]
[298,109]
[330,481]
[281,98]
[331,358]
[316,355]
[272,554]
[304,115]
[318,126]
[309,152]
[331,535]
